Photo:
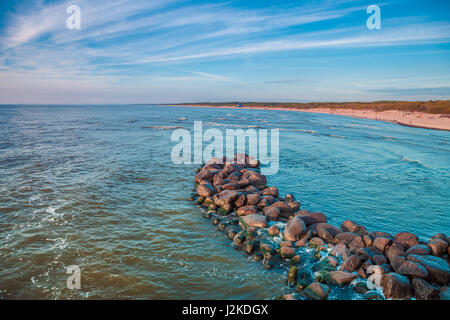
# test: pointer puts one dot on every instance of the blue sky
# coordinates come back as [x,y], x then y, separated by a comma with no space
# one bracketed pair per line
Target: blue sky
[156,51]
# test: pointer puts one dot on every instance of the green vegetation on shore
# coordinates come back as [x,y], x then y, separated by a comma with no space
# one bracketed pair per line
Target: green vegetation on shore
[432,106]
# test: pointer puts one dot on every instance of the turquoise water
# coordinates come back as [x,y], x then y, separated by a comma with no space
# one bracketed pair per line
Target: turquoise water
[95,187]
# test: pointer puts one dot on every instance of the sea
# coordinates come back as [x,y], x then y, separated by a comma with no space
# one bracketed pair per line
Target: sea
[95,187]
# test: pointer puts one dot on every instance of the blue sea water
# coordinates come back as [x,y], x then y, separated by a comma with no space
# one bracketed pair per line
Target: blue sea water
[94,186]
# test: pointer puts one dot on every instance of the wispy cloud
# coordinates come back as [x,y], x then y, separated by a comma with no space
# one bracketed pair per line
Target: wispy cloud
[188,43]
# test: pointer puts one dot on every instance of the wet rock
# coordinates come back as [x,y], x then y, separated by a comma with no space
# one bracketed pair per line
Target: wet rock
[239,239]
[301,285]
[203,175]
[251,189]
[406,239]
[438,247]
[316,291]
[381,243]
[378,234]
[424,290]
[272,191]
[205,190]
[373,295]
[340,250]
[225,197]
[303,240]
[253,199]
[287,252]
[310,218]
[413,269]
[258,180]
[325,231]
[346,237]
[339,278]
[249,247]
[240,202]
[395,286]
[351,264]
[285,210]
[292,276]
[246,210]
[440,236]
[379,259]
[267,249]
[349,226]
[225,209]
[438,269]
[332,261]
[316,242]
[419,249]
[395,250]
[295,227]
[255,220]
[272,214]
[361,287]
[274,231]
[263,204]
[368,241]
[294,205]
[396,262]
[357,243]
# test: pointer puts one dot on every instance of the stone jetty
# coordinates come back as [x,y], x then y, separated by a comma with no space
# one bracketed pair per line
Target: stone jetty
[275,230]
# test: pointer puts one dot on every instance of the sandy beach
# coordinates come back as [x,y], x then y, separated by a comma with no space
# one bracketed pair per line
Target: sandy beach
[410,119]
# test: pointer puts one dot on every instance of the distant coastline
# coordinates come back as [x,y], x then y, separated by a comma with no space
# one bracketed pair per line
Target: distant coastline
[428,115]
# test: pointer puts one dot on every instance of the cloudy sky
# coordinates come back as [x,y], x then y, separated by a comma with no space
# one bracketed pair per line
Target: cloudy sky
[158,51]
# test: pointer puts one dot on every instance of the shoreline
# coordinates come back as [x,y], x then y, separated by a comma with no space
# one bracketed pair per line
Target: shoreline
[413,119]
[276,231]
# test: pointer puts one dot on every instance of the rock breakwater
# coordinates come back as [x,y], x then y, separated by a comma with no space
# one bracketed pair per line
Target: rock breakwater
[319,256]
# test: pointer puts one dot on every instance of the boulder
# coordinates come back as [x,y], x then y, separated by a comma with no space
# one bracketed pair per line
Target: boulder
[339,278]
[440,236]
[255,220]
[287,252]
[273,231]
[438,247]
[406,239]
[225,197]
[396,262]
[395,286]
[325,231]
[272,191]
[272,214]
[419,249]
[253,199]
[295,227]
[205,190]
[412,269]
[316,242]
[346,237]
[438,269]
[240,202]
[378,234]
[379,259]
[294,205]
[285,210]
[310,218]
[340,250]
[394,251]
[258,180]
[203,175]
[351,264]
[424,290]
[316,291]
[349,226]
[368,241]
[381,243]
[246,210]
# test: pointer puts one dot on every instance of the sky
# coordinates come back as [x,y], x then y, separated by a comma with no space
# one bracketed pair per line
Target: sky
[172,51]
